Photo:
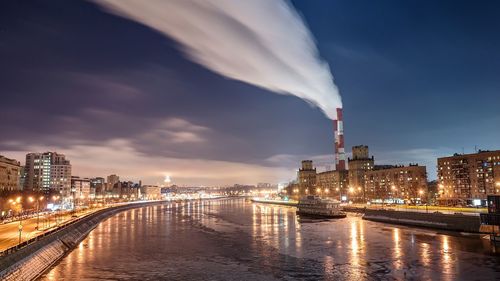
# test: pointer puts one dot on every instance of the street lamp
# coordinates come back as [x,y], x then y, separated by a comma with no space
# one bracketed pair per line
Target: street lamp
[38,211]
[20,230]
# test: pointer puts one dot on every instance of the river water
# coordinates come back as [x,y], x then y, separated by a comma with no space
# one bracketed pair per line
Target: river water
[230,239]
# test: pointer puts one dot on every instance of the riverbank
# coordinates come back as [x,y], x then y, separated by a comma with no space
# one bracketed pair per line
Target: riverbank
[30,261]
[451,222]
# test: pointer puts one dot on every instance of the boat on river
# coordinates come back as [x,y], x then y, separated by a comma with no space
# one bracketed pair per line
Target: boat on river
[315,206]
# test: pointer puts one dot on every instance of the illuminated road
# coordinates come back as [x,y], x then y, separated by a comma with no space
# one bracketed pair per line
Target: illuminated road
[9,232]
[232,239]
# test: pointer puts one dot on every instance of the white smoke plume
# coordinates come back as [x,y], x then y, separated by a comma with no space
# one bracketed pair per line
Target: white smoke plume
[260,42]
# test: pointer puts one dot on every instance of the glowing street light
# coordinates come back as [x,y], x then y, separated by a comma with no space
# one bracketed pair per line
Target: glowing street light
[351,189]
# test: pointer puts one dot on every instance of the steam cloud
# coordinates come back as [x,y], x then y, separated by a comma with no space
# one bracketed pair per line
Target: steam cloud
[260,42]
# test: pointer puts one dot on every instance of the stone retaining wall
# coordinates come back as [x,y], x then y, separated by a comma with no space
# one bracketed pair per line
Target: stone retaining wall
[31,261]
[453,222]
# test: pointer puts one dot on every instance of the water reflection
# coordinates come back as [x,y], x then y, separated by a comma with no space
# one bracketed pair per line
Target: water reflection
[234,239]
[397,249]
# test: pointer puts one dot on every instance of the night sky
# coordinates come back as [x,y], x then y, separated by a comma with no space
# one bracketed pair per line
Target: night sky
[418,79]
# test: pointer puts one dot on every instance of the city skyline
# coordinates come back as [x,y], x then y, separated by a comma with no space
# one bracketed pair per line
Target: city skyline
[249,140]
[114,95]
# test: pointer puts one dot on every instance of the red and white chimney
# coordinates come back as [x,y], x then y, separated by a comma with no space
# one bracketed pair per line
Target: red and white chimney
[338,130]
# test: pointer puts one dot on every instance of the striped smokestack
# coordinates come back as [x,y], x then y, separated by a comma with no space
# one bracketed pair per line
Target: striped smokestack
[338,128]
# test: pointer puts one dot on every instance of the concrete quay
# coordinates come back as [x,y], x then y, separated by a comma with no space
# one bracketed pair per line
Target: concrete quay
[450,222]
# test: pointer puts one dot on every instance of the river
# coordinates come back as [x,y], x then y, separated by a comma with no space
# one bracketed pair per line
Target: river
[231,239]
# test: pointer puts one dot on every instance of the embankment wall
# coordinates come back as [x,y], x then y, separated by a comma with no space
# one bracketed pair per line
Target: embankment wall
[453,222]
[32,260]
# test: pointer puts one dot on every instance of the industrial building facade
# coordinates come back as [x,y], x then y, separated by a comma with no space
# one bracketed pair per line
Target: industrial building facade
[331,184]
[465,179]
[363,181]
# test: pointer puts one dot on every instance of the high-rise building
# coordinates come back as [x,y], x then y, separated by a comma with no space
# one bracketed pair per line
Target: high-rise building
[112,180]
[10,172]
[126,190]
[80,190]
[48,171]
[358,165]
[97,185]
[396,184]
[468,178]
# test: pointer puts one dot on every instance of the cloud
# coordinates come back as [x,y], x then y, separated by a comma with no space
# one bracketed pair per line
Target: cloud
[119,156]
[260,42]
[175,130]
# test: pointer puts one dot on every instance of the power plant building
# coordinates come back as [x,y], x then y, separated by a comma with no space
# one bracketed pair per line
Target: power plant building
[359,164]
[332,184]
[338,132]
[306,177]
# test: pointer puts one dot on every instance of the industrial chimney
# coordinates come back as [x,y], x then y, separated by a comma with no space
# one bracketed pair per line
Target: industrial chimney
[338,128]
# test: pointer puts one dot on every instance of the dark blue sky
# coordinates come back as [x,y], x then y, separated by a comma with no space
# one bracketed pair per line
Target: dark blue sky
[419,79]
